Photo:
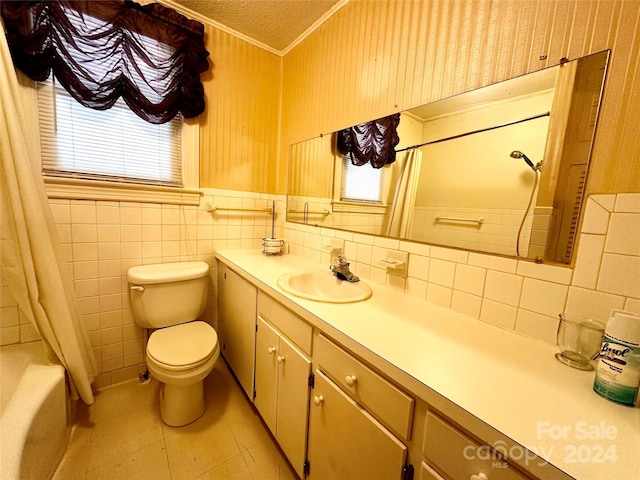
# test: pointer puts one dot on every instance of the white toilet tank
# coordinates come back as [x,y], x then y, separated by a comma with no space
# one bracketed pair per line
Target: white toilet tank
[168,294]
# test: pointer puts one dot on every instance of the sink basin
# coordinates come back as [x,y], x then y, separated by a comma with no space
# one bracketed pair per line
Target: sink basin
[322,286]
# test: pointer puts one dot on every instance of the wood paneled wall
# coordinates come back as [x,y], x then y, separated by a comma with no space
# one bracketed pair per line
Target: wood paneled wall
[376,57]
[313,176]
[239,130]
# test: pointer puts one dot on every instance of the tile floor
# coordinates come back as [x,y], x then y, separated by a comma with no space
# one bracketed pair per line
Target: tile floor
[122,437]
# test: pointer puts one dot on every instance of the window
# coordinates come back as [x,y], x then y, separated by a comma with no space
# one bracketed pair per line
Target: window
[150,55]
[113,145]
[361,183]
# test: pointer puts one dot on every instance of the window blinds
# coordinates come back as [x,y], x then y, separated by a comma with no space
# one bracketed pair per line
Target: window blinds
[115,145]
[361,183]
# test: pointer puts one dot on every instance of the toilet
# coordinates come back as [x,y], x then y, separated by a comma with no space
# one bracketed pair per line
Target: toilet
[181,351]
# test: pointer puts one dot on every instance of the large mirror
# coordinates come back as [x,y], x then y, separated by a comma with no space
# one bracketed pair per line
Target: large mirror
[500,169]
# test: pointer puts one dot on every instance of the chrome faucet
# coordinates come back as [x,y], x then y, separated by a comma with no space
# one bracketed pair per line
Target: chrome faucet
[341,270]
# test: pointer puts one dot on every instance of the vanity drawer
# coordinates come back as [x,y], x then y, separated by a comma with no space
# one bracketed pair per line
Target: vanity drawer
[458,456]
[385,401]
[296,329]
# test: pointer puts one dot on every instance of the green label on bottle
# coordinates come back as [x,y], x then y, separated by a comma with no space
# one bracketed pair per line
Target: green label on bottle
[618,372]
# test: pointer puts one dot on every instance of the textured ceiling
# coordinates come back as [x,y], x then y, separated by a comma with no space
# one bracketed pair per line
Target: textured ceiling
[275,23]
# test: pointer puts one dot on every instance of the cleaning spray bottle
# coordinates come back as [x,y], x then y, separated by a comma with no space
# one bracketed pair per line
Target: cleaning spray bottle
[618,371]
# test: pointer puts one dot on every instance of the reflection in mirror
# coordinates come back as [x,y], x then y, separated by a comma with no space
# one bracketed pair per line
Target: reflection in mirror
[500,169]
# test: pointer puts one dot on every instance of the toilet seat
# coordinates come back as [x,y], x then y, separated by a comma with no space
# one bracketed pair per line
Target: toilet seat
[182,347]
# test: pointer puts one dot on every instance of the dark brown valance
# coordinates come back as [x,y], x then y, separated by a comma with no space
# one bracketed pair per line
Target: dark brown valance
[99,51]
[372,142]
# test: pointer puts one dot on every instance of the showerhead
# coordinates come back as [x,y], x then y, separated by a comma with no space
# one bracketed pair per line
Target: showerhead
[519,154]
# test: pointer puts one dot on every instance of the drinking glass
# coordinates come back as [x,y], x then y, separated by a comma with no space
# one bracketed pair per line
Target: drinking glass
[579,339]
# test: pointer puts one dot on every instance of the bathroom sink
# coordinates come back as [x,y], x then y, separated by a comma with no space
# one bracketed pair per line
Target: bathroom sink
[322,286]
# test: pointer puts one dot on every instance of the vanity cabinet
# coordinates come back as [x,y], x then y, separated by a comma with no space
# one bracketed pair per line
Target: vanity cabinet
[428,473]
[356,416]
[453,451]
[390,405]
[237,307]
[456,455]
[357,421]
[282,378]
[346,442]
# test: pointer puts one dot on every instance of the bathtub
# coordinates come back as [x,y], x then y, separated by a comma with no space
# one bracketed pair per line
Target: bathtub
[33,413]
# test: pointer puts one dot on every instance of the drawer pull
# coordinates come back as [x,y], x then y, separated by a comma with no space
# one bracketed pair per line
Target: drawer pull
[271,350]
[280,358]
[480,476]
[351,381]
[318,399]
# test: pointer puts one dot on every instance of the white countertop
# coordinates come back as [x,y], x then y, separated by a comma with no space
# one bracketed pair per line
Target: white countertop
[506,380]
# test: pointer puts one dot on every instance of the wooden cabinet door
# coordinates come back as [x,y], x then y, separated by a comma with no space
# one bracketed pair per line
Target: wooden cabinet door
[347,443]
[267,351]
[237,302]
[428,473]
[293,403]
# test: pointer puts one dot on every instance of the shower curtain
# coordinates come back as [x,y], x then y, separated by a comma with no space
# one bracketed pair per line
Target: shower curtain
[31,259]
[405,196]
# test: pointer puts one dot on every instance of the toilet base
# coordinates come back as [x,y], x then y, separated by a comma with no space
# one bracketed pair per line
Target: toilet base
[181,405]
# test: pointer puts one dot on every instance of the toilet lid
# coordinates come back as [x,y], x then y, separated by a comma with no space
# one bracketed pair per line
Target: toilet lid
[184,344]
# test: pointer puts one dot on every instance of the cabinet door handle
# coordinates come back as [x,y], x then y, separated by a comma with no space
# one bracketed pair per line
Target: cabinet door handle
[351,381]
[280,358]
[318,399]
[479,476]
[271,350]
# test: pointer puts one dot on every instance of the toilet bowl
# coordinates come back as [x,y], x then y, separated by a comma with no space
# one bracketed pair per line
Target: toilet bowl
[181,357]
[181,351]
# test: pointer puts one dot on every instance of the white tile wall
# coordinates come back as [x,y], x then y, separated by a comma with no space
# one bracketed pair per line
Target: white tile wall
[587,302]
[596,217]
[503,287]
[520,295]
[491,262]
[372,223]
[470,279]
[15,327]
[104,239]
[536,325]
[439,294]
[619,274]
[418,267]
[624,202]
[442,272]
[540,231]
[495,233]
[498,314]
[466,303]
[623,234]
[587,268]
[543,297]
[551,273]
[416,287]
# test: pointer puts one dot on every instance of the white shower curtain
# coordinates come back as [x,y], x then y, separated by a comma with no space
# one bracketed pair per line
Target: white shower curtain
[31,259]
[405,196]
